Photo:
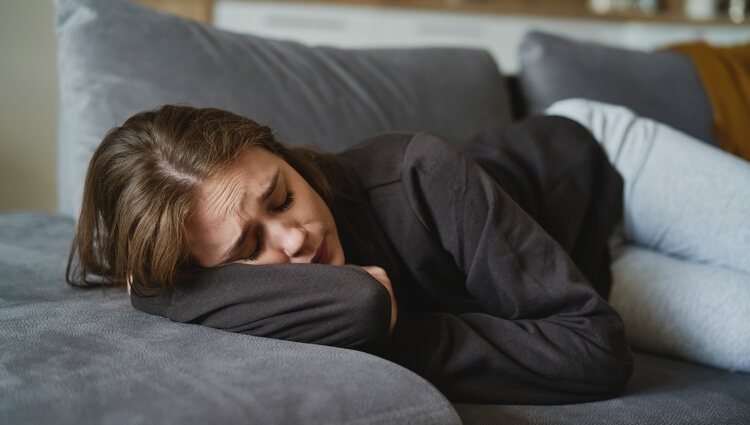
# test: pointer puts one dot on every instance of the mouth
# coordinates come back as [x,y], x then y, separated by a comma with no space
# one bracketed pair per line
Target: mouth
[320,253]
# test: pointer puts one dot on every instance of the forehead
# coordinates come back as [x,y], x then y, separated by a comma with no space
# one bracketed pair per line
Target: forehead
[215,215]
[249,174]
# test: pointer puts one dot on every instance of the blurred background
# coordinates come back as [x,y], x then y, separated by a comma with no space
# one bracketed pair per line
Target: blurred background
[28,76]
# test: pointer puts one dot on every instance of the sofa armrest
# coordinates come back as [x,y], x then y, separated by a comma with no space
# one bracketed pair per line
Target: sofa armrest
[74,356]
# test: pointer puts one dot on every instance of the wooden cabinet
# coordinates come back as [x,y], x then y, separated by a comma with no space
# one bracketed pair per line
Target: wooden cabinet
[199,10]
[495,25]
[668,11]
[355,24]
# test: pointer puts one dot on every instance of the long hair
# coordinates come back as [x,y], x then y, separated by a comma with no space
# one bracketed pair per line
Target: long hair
[142,182]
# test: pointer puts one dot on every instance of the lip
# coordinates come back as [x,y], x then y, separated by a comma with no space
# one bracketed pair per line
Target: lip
[320,253]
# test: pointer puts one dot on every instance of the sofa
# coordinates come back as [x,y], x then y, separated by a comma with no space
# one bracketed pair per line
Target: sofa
[73,356]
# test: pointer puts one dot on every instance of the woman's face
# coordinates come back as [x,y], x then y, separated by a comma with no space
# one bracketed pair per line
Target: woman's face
[261,211]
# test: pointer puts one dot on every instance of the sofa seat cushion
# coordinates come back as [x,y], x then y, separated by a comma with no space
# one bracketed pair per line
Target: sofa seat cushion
[662,391]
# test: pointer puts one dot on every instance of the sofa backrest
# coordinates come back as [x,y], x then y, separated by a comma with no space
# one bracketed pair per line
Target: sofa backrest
[117,58]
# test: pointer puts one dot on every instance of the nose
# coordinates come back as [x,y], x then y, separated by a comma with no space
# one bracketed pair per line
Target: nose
[287,237]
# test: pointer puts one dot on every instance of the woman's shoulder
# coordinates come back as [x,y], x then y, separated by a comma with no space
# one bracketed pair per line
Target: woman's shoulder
[381,159]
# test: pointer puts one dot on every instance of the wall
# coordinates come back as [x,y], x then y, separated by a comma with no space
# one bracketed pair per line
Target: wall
[28,106]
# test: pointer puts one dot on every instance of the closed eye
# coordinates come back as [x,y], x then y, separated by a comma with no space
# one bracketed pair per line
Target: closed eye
[281,208]
[286,204]
[258,249]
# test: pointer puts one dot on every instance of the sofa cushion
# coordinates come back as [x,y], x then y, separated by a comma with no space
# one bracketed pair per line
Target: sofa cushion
[73,356]
[661,391]
[117,58]
[663,86]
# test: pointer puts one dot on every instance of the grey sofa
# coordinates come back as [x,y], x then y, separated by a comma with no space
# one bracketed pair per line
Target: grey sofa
[74,356]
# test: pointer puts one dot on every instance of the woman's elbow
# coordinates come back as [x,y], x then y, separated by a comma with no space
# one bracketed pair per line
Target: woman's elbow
[612,364]
[619,371]
[368,313]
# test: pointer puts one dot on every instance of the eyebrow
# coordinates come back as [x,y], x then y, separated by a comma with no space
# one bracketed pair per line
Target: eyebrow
[271,187]
[246,228]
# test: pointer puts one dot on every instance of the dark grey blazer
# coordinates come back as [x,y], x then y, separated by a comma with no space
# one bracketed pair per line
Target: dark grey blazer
[492,308]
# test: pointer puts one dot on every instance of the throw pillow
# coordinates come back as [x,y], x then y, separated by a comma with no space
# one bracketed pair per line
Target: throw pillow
[663,86]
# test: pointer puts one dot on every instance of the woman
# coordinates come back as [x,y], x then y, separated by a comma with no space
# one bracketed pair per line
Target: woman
[478,297]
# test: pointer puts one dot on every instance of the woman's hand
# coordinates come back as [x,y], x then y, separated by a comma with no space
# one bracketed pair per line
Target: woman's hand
[380,275]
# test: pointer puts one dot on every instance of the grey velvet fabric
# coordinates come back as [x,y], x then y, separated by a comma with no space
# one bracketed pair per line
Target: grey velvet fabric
[87,357]
[80,357]
[117,58]
[663,85]
[662,391]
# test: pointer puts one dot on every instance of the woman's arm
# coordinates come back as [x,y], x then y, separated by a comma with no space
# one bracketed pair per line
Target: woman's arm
[381,276]
[545,335]
[313,303]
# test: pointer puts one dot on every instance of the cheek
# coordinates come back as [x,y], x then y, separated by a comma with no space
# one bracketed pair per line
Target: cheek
[312,208]
[312,212]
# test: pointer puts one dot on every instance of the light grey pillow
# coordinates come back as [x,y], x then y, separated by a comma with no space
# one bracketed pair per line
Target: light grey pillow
[663,86]
[117,58]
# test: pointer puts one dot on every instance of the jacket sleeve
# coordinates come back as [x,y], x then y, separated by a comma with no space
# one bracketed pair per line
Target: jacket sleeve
[340,306]
[544,335]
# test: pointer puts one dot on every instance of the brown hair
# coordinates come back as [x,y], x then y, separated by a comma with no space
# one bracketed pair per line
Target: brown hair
[141,184]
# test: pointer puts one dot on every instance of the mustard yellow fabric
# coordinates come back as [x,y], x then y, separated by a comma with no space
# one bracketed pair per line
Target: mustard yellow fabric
[725,74]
